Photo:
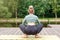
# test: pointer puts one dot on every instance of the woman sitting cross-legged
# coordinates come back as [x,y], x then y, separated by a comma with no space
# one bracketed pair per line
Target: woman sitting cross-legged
[30,24]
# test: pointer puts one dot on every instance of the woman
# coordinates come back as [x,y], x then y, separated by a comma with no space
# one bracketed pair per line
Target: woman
[30,24]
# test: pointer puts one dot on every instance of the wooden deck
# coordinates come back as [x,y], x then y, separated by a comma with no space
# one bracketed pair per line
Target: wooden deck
[54,25]
[15,34]
[17,31]
[18,37]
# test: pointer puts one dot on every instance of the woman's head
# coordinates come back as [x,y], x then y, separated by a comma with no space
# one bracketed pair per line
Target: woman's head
[31,9]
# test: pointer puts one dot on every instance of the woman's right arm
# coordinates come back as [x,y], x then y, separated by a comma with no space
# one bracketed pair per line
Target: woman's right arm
[24,20]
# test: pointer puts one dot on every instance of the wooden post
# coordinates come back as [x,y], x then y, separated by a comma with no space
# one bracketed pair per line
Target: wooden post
[16,13]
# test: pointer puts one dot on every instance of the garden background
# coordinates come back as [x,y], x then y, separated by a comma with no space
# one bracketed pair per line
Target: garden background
[12,12]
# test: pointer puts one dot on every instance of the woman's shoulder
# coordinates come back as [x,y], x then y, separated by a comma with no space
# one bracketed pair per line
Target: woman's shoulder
[36,16]
[31,16]
[26,15]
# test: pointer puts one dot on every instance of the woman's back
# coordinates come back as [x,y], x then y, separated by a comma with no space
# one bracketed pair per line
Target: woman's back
[31,19]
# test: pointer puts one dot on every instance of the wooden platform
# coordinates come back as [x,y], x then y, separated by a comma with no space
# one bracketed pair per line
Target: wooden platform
[17,31]
[18,37]
[54,25]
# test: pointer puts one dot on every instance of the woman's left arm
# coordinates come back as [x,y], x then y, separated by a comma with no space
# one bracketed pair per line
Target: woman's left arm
[38,21]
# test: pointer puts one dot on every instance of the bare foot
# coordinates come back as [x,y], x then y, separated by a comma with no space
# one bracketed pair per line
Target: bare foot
[37,36]
[25,36]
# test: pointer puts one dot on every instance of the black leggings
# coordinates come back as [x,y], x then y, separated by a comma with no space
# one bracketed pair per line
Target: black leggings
[31,30]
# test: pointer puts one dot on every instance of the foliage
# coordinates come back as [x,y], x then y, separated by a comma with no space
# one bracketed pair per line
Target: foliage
[18,8]
[4,13]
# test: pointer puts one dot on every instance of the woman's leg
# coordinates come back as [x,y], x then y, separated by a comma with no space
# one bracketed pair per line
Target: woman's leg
[31,30]
[37,36]
[22,27]
[39,28]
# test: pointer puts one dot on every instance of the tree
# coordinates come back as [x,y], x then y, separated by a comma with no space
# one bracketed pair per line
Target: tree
[4,13]
[54,6]
[38,5]
[12,6]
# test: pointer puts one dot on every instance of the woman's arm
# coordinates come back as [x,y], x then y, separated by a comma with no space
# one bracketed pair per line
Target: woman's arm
[24,20]
[38,20]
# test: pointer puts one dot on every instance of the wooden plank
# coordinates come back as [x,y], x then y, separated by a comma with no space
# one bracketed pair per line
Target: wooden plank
[54,25]
[57,31]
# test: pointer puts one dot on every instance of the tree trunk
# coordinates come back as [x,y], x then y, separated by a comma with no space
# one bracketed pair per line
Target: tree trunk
[16,13]
[16,17]
[56,17]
